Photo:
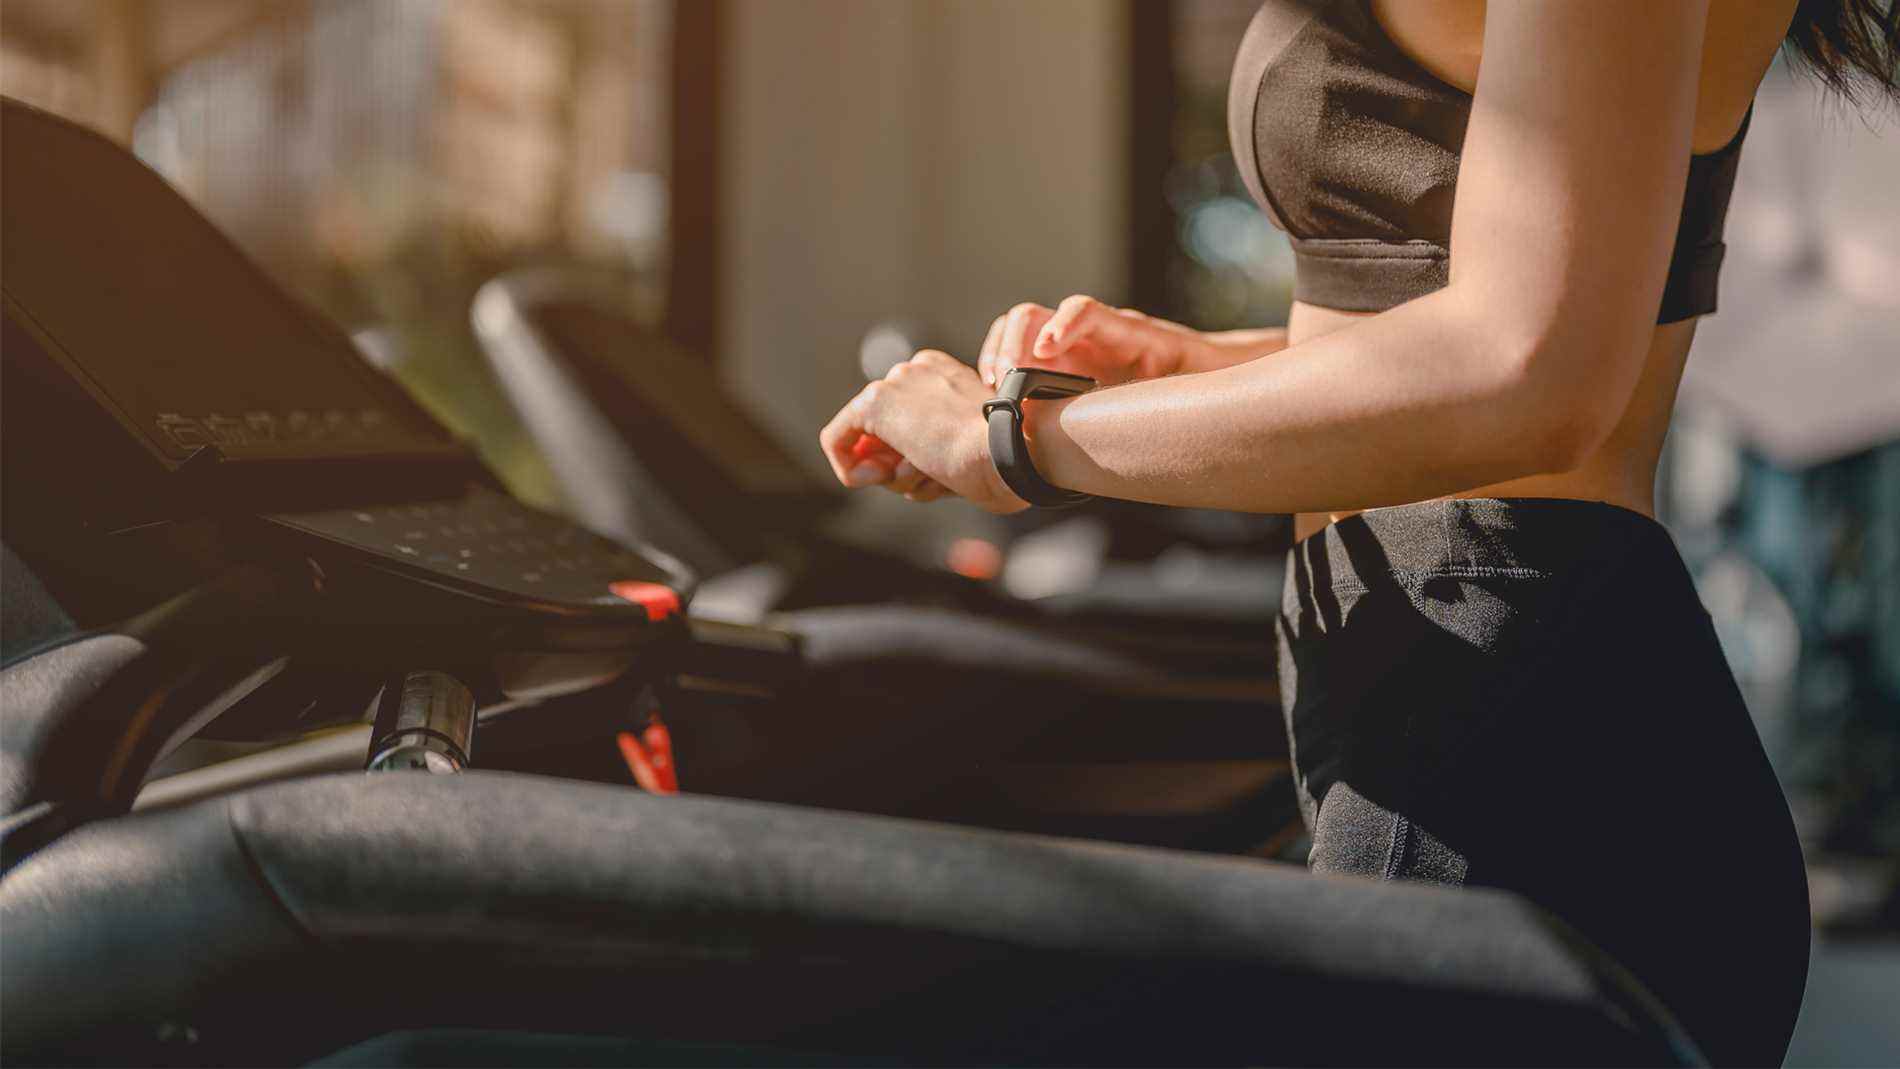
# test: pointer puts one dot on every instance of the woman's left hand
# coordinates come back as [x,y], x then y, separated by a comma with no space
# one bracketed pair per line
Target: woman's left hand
[928,411]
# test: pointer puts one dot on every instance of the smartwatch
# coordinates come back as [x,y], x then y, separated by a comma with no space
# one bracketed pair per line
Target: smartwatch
[1009,452]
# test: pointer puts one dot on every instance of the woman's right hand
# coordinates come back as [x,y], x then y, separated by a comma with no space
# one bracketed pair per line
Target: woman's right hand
[1084,336]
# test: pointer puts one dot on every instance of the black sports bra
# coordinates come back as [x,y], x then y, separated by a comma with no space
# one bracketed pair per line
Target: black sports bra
[1352,148]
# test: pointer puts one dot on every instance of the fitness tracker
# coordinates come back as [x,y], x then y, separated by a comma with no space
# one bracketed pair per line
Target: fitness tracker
[1009,452]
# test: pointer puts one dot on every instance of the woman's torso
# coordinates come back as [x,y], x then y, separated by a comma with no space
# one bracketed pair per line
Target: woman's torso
[1445,38]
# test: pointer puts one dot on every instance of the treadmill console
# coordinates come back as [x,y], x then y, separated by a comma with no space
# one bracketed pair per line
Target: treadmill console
[170,410]
[168,326]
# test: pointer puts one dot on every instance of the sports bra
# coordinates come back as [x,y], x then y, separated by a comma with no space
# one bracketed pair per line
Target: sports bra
[1352,148]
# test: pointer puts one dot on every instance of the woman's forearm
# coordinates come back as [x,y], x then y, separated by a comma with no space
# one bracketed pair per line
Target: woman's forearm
[1225,348]
[1421,401]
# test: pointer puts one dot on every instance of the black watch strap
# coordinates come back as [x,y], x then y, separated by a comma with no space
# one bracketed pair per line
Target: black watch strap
[1010,452]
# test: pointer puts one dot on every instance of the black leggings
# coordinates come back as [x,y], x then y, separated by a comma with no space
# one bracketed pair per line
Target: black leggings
[1527,694]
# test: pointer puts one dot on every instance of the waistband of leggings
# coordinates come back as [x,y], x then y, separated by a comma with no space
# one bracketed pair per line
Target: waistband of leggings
[1473,537]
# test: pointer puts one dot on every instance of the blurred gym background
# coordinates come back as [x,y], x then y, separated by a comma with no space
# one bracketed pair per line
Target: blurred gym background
[763,181]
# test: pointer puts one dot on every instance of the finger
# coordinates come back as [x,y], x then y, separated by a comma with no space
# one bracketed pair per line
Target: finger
[941,363]
[870,447]
[905,478]
[1019,331]
[986,358]
[1076,318]
[868,473]
[927,491]
[837,438]
[840,436]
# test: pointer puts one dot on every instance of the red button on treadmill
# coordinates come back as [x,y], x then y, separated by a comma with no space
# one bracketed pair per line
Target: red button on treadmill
[659,601]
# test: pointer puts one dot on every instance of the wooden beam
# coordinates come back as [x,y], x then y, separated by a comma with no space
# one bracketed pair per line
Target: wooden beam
[122,68]
[699,53]
[183,32]
[1150,149]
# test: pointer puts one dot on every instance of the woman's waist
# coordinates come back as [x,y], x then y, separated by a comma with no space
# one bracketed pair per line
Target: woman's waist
[1620,472]
[1624,483]
[1472,536]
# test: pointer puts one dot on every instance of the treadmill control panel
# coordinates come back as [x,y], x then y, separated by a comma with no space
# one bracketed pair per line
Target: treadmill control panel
[486,541]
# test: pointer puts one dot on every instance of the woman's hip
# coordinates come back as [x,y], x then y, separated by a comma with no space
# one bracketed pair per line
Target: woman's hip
[1528,694]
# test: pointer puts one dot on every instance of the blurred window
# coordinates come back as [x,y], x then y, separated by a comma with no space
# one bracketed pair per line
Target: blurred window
[384,158]
[1212,259]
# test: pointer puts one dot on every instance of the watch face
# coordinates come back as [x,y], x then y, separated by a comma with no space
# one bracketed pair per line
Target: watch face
[1024,382]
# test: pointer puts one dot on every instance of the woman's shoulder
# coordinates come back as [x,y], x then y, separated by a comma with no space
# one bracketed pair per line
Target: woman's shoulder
[1446,38]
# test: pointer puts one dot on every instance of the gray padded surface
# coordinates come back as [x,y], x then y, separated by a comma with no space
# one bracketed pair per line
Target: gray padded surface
[28,614]
[497,900]
[37,692]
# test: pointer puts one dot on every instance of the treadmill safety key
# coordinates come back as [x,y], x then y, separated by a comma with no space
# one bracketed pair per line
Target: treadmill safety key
[649,754]
[658,600]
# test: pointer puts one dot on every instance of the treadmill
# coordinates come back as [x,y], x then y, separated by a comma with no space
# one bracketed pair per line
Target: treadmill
[213,509]
[646,441]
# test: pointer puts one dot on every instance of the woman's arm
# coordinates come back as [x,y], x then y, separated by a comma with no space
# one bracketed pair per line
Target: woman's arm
[1081,335]
[1112,345]
[1225,348]
[1571,185]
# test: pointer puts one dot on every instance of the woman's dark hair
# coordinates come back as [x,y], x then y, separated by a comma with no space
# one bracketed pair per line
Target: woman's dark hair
[1853,46]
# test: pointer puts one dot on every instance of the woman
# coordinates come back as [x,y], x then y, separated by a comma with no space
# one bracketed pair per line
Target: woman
[1500,674]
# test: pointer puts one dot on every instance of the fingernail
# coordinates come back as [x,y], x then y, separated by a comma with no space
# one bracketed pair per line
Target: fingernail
[864,475]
